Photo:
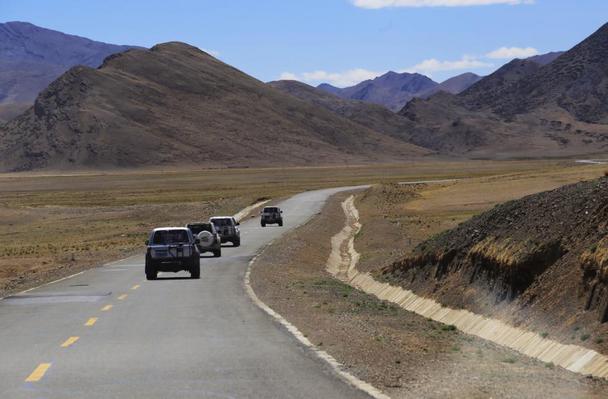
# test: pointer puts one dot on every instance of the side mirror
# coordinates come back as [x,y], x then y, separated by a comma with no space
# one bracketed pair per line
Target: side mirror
[197,240]
[281,211]
[238,223]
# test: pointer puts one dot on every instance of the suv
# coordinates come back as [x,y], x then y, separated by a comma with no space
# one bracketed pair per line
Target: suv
[228,229]
[172,249]
[271,215]
[209,239]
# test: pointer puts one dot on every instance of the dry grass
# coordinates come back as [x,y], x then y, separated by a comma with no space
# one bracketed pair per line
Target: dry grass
[56,223]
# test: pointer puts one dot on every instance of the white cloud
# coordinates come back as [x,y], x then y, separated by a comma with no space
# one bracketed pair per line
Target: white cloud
[340,79]
[427,67]
[374,4]
[512,52]
[211,52]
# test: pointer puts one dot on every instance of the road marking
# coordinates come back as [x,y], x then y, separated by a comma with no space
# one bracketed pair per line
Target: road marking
[136,286]
[106,308]
[326,357]
[122,297]
[91,321]
[69,342]
[38,373]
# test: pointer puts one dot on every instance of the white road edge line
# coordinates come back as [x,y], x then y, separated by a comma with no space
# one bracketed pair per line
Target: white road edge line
[324,356]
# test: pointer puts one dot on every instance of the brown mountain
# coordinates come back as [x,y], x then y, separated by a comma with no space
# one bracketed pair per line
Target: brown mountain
[373,116]
[453,85]
[32,57]
[393,90]
[176,105]
[524,108]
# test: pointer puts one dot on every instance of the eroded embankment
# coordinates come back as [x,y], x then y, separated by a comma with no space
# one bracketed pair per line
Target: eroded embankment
[342,264]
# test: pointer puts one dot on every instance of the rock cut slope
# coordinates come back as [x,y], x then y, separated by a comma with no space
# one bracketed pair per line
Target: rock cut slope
[540,260]
[176,105]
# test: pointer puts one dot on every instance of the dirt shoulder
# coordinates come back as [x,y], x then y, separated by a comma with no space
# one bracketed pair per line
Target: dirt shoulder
[403,354]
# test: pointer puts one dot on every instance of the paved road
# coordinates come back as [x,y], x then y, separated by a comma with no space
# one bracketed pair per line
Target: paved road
[171,338]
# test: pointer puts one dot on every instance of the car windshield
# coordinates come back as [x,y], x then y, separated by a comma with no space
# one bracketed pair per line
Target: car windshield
[164,237]
[197,228]
[222,222]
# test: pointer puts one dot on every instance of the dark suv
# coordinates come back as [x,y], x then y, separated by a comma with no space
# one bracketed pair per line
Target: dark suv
[271,215]
[172,249]
[228,229]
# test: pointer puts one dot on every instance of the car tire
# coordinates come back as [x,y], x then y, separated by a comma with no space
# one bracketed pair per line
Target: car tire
[236,243]
[217,253]
[263,224]
[151,272]
[281,223]
[195,269]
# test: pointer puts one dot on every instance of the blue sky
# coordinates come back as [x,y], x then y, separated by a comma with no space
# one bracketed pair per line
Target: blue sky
[340,41]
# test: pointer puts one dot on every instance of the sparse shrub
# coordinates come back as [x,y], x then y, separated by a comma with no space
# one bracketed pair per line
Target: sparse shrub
[599,340]
[544,334]
[550,365]
[509,360]
[449,327]
[606,173]
[585,337]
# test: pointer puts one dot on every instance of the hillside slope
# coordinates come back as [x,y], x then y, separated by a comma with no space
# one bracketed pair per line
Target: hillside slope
[540,260]
[32,57]
[393,90]
[176,105]
[524,109]
[373,116]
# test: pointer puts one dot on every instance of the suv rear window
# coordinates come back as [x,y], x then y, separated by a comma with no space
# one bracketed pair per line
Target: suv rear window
[222,222]
[164,237]
[271,210]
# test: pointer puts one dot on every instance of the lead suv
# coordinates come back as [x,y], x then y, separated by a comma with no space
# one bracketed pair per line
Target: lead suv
[209,239]
[228,229]
[172,249]
[271,215]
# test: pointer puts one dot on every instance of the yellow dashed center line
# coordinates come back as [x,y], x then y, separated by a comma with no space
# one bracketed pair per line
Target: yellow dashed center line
[38,373]
[106,308]
[123,296]
[70,341]
[91,321]
[136,286]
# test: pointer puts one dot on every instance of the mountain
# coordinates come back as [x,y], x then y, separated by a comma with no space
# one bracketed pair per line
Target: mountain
[544,59]
[372,116]
[453,85]
[393,90]
[32,57]
[175,105]
[524,108]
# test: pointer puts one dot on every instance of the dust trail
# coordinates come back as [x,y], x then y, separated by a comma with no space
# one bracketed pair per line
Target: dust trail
[342,263]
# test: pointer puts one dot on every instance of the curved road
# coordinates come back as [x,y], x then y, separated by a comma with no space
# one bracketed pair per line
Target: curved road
[109,333]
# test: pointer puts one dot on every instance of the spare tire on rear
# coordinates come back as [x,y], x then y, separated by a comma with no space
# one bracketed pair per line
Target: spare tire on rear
[205,238]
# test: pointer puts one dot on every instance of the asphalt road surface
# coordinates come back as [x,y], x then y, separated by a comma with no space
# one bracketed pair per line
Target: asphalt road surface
[109,333]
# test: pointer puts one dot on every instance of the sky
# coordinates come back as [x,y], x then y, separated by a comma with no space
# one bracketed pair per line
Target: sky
[340,42]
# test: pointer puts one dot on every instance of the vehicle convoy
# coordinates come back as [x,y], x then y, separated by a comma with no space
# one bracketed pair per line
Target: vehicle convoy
[271,215]
[209,239]
[228,229]
[172,249]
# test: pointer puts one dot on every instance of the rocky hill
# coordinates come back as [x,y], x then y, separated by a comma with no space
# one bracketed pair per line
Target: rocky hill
[541,260]
[32,57]
[525,108]
[393,90]
[176,105]
[373,116]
